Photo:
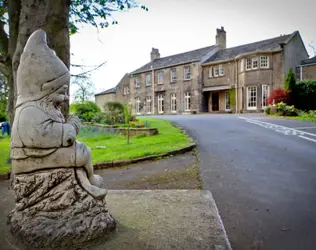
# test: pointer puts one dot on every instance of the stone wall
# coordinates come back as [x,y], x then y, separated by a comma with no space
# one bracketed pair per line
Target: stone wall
[132,131]
[100,100]
[308,72]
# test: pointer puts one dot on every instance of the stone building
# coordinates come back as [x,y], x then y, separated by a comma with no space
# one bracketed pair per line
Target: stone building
[215,78]
[306,70]
[120,93]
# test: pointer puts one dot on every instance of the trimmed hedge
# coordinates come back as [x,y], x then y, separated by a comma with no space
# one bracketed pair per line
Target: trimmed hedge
[304,95]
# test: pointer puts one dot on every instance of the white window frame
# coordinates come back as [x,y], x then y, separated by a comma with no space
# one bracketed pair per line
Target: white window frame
[227,101]
[253,60]
[160,77]
[137,82]
[265,89]
[187,72]
[264,62]
[137,106]
[148,79]
[173,75]
[216,71]
[173,102]
[249,89]
[210,72]
[160,104]
[242,62]
[248,64]
[148,104]
[221,70]
[187,101]
[124,91]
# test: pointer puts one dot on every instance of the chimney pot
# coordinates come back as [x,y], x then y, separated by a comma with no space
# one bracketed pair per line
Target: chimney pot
[154,54]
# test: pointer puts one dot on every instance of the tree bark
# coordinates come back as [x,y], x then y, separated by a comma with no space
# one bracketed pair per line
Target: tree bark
[53,17]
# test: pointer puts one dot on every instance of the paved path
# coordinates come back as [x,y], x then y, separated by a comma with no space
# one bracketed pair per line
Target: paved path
[262,173]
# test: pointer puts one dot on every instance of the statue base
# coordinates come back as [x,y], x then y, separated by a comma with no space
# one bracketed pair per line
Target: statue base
[53,210]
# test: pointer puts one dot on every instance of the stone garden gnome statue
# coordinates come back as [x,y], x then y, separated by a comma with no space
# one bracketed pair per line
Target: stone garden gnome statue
[59,201]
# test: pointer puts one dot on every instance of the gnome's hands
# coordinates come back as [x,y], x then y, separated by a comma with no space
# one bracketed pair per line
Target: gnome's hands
[74,121]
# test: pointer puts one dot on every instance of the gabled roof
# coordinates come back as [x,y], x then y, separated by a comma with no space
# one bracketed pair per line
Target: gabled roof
[186,57]
[264,45]
[109,91]
[309,61]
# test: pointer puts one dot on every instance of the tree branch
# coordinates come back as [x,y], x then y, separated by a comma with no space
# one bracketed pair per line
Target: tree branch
[88,71]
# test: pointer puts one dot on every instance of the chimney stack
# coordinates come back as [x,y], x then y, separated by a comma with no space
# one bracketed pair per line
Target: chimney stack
[154,54]
[221,38]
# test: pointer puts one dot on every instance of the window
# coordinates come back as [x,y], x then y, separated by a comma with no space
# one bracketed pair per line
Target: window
[137,82]
[227,101]
[160,104]
[264,62]
[252,97]
[216,71]
[173,75]
[125,91]
[187,73]
[137,105]
[187,101]
[254,63]
[248,64]
[221,70]
[210,72]
[160,77]
[173,103]
[148,101]
[265,95]
[148,79]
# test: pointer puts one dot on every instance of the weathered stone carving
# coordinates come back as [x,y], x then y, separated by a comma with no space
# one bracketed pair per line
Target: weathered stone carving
[59,201]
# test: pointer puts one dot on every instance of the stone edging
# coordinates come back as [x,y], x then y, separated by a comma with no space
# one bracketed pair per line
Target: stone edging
[111,164]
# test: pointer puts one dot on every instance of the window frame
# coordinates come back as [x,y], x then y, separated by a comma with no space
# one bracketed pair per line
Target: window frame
[148,101]
[262,95]
[248,64]
[173,102]
[267,62]
[160,100]
[256,98]
[187,101]
[185,73]
[160,81]
[146,80]
[254,59]
[216,71]
[210,72]
[221,70]
[171,75]
[137,106]
[227,100]
[137,82]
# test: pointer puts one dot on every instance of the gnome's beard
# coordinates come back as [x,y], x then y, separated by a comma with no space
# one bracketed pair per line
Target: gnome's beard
[53,110]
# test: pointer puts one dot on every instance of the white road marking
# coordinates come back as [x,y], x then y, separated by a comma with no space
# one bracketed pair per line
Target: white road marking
[305,128]
[281,129]
[307,138]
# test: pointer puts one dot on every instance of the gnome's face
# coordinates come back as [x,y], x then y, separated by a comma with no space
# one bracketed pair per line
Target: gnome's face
[59,96]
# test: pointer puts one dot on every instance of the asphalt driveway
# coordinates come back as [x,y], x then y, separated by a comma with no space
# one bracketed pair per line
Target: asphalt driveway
[262,173]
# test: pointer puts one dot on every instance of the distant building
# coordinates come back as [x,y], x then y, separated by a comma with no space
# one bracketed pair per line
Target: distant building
[214,78]
[306,70]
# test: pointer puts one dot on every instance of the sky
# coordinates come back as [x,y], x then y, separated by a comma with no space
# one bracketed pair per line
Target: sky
[176,26]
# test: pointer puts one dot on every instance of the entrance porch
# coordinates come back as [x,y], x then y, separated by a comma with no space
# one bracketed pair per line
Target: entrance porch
[219,99]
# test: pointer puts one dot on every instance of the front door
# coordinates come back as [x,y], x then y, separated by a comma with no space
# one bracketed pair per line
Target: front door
[215,101]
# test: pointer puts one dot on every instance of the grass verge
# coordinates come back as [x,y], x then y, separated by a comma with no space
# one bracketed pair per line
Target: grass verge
[116,147]
[300,118]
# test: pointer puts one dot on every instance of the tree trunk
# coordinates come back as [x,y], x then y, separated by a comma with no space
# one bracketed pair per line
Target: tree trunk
[53,17]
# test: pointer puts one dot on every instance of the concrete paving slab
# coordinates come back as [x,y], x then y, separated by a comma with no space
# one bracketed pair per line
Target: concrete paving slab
[152,219]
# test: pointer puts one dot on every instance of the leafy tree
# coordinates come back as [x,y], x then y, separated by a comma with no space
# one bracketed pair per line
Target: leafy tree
[59,18]
[84,90]
[290,84]
[114,112]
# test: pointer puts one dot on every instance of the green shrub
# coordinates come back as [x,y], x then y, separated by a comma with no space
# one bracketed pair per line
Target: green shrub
[304,95]
[114,112]
[85,111]
[3,117]
[285,110]
[267,110]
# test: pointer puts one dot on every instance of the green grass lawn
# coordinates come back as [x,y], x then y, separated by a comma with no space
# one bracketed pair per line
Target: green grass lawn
[4,153]
[116,147]
[301,118]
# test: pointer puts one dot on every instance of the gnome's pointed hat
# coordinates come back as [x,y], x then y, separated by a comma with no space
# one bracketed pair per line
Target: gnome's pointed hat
[40,71]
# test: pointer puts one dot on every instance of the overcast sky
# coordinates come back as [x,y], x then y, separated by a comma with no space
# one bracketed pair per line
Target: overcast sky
[175,26]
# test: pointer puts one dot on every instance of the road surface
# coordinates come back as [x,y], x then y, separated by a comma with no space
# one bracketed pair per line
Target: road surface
[262,173]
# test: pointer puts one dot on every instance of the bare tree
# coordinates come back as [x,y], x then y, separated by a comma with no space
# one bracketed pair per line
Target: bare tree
[84,88]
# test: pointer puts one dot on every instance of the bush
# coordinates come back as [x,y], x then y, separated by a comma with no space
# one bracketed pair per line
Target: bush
[304,95]
[3,117]
[114,112]
[285,110]
[277,96]
[268,110]
[85,111]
